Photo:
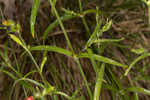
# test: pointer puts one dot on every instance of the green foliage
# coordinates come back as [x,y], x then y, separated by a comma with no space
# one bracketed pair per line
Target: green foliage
[135,61]
[102,59]
[54,24]
[106,66]
[52,49]
[35,7]
[99,82]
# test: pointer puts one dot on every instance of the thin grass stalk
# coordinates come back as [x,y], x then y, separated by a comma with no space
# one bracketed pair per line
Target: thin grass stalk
[32,58]
[92,60]
[136,96]
[85,79]
[70,46]
[74,81]
[86,27]
[99,80]
[149,15]
[84,20]
[62,26]
[63,94]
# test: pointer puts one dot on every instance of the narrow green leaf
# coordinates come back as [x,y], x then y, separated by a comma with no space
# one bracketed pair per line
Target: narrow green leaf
[5,53]
[102,59]
[108,40]
[3,28]
[90,53]
[9,74]
[31,81]
[34,11]
[62,26]
[22,82]
[135,96]
[91,11]
[135,61]
[43,63]
[110,87]
[138,51]
[107,26]
[138,90]
[16,39]
[63,94]
[115,82]
[13,77]
[52,48]
[84,78]
[70,12]
[98,32]
[94,35]
[99,82]
[55,23]
[29,73]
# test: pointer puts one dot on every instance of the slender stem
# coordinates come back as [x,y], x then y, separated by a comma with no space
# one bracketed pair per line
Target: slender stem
[37,66]
[84,20]
[63,94]
[32,58]
[77,60]
[62,26]
[84,78]
[149,15]
[86,27]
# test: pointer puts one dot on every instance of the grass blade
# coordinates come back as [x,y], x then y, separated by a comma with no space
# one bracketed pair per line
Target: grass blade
[138,90]
[90,53]
[52,48]
[85,79]
[99,82]
[55,23]
[63,94]
[98,32]
[94,34]
[29,73]
[9,74]
[110,87]
[62,26]
[108,40]
[16,39]
[33,16]
[43,63]
[135,61]
[102,59]
[31,81]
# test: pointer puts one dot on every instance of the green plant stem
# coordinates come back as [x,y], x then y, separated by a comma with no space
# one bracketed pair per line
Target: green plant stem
[86,27]
[149,15]
[63,94]
[32,58]
[62,26]
[99,79]
[135,61]
[37,66]
[84,20]
[135,95]
[84,78]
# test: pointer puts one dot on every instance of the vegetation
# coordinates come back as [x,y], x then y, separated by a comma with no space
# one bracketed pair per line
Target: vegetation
[77,50]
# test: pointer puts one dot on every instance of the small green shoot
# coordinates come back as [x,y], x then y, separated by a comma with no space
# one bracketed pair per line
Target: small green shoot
[147,2]
[35,7]
[99,80]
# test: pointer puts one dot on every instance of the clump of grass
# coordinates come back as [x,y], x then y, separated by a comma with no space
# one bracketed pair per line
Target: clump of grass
[34,83]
